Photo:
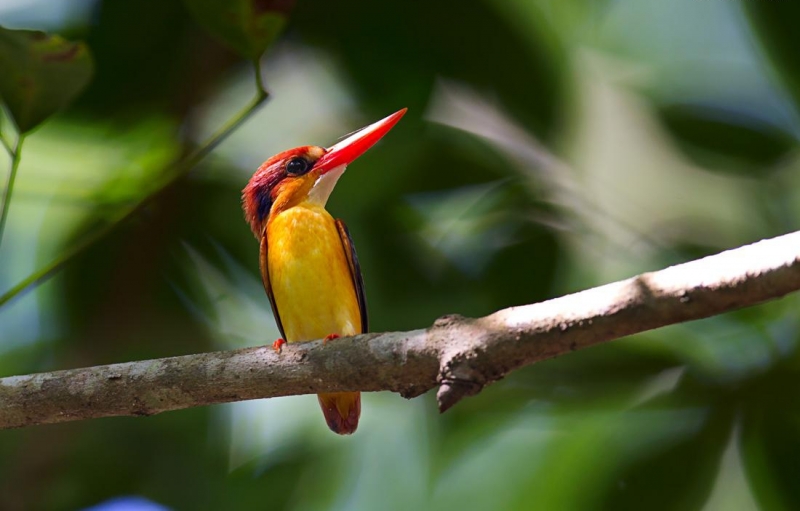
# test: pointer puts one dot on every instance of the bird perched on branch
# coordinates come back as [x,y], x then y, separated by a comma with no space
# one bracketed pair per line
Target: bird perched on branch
[307,259]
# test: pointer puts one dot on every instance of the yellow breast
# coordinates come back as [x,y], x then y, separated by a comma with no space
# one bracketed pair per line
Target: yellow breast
[310,278]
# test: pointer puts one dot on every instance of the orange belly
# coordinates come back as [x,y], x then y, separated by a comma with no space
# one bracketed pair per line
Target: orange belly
[314,292]
[310,278]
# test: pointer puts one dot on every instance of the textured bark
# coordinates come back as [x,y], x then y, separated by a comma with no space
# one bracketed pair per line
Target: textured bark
[458,354]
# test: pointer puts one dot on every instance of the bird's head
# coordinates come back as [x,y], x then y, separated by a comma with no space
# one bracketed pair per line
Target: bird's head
[306,173]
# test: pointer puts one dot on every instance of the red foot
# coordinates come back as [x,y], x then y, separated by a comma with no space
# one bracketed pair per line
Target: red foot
[330,337]
[278,344]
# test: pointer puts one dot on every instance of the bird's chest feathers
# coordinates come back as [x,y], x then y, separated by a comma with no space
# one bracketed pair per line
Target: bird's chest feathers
[309,274]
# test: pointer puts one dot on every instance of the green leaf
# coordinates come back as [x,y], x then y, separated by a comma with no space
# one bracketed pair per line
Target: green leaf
[775,24]
[41,74]
[661,465]
[592,449]
[770,440]
[247,26]
[725,140]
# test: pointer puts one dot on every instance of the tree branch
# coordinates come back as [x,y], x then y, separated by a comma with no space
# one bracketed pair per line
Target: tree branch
[460,355]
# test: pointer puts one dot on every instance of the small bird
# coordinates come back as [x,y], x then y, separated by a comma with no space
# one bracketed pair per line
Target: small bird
[307,259]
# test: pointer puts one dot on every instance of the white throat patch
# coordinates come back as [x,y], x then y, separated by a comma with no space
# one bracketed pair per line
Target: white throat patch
[324,186]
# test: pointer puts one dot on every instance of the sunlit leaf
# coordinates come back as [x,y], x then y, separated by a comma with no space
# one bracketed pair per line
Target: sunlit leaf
[247,26]
[465,226]
[41,74]
[233,305]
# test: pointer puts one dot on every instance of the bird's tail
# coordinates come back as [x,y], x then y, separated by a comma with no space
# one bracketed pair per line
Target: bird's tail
[342,410]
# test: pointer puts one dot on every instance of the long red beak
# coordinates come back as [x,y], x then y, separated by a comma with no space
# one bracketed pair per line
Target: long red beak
[357,144]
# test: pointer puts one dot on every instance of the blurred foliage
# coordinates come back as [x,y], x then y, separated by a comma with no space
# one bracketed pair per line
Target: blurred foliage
[549,147]
[775,28]
[247,26]
[727,145]
[41,74]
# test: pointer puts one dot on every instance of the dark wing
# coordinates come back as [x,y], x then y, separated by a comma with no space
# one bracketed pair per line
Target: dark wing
[263,261]
[355,272]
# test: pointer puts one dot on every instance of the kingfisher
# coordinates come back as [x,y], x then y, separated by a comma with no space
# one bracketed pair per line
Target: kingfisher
[307,259]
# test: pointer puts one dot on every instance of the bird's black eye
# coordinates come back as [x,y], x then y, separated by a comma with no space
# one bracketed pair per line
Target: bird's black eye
[297,166]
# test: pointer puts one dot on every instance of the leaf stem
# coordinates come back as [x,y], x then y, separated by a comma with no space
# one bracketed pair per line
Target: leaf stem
[16,155]
[8,147]
[259,81]
[4,115]
[181,168]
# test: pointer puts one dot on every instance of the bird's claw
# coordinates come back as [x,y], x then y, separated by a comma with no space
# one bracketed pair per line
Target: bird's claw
[278,344]
[330,337]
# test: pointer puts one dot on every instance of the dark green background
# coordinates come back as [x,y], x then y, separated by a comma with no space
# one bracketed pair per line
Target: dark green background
[549,147]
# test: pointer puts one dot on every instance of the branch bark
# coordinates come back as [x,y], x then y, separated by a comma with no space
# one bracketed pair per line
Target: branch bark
[458,354]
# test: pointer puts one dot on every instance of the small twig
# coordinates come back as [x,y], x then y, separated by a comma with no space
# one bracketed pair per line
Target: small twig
[181,168]
[16,155]
[460,355]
